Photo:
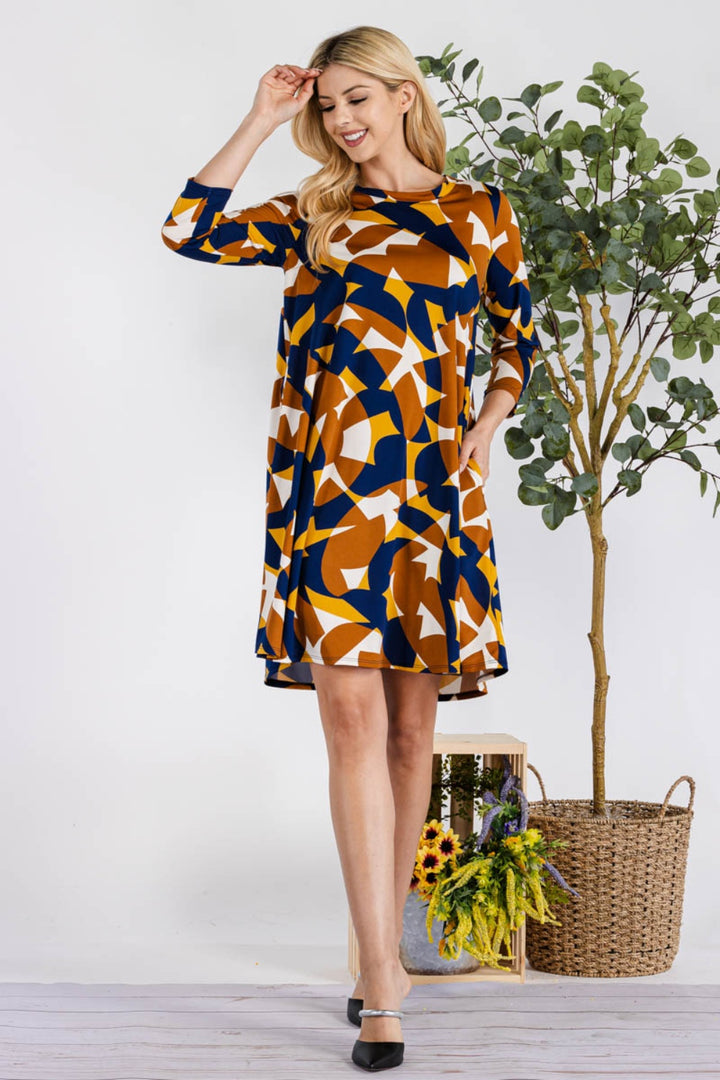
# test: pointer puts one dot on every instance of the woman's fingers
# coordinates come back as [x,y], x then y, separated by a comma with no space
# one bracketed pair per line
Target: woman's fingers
[284,89]
[293,71]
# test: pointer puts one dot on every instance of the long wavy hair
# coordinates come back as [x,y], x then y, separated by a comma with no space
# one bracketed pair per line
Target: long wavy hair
[324,198]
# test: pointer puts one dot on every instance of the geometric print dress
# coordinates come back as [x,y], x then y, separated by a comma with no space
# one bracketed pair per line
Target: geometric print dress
[379,552]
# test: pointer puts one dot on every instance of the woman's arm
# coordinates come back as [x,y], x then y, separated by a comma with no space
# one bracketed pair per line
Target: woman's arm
[198,228]
[266,233]
[515,342]
[509,309]
[231,161]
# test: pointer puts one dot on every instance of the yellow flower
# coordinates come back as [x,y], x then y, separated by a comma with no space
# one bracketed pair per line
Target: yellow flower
[429,879]
[432,830]
[510,893]
[428,858]
[449,845]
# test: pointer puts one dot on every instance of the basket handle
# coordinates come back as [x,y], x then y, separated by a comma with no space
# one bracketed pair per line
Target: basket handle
[540,780]
[691,782]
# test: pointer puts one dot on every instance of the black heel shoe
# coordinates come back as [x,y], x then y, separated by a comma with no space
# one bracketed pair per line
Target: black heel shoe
[378,1055]
[354,1005]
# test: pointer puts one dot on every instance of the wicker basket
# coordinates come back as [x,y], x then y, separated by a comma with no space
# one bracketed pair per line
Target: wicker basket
[629,869]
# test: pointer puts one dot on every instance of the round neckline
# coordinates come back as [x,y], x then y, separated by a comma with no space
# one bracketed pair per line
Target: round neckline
[427,193]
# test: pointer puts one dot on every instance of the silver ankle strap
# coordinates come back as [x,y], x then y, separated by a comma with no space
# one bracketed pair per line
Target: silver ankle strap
[381,1012]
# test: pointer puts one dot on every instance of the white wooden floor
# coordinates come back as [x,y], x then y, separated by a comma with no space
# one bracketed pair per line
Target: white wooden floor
[571,1028]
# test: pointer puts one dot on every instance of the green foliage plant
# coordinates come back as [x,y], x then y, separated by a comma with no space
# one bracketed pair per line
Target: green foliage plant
[621,252]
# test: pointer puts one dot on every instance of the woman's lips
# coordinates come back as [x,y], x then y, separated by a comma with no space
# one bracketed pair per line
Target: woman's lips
[354,142]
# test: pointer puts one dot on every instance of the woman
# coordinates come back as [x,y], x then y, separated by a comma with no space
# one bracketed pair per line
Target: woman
[380,588]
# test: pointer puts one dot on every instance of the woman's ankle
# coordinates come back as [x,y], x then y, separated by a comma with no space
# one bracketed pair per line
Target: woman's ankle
[389,974]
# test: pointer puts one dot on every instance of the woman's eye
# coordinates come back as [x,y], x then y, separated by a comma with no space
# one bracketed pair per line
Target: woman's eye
[357,101]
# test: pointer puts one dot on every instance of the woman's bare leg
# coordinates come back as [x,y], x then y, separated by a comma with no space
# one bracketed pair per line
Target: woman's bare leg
[354,716]
[412,700]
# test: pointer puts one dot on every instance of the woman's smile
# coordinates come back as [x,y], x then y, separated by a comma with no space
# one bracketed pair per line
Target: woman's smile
[356,137]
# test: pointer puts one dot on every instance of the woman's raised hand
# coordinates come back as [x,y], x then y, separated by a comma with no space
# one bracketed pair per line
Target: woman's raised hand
[275,96]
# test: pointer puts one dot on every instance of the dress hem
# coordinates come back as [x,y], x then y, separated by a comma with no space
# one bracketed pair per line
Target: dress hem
[336,662]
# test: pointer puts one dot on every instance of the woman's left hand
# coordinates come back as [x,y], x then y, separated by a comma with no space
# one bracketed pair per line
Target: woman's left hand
[477,444]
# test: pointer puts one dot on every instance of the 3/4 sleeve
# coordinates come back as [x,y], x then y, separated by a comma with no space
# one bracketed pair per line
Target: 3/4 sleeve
[263,234]
[508,305]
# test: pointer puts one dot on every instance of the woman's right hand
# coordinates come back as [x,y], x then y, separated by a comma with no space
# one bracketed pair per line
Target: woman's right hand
[275,96]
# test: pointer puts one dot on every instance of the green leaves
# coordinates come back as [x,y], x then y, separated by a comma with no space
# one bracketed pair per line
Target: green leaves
[457,159]
[705,204]
[535,489]
[556,441]
[697,166]
[490,109]
[591,96]
[572,134]
[683,347]
[552,120]
[668,181]
[605,209]
[483,171]
[637,416]
[585,484]
[561,505]
[512,134]
[586,281]
[621,211]
[646,153]
[517,442]
[630,479]
[683,148]
[594,141]
[660,367]
[469,68]
[530,95]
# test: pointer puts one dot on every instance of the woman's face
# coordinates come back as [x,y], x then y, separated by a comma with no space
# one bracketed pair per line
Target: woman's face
[352,102]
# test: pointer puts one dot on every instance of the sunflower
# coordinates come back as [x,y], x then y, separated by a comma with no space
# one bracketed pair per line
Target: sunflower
[431,831]
[429,860]
[449,844]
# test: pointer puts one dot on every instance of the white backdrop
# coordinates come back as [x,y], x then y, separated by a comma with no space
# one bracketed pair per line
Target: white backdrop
[156,797]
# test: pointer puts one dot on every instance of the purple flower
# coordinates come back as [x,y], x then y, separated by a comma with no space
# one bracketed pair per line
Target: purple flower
[559,878]
[509,783]
[524,809]
[487,822]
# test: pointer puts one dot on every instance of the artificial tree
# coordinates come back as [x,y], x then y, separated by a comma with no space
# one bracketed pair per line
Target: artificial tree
[622,259]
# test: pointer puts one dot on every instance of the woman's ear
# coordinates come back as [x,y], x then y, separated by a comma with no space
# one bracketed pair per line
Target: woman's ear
[408,90]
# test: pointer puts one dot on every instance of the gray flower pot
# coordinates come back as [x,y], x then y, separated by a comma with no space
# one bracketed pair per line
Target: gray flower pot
[420,956]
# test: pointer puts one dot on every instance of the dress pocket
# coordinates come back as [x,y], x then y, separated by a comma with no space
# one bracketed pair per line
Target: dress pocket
[473,463]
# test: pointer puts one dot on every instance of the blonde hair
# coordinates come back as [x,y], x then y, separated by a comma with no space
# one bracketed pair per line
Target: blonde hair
[324,199]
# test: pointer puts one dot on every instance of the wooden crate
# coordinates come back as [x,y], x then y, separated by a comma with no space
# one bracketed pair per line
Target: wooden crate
[492,746]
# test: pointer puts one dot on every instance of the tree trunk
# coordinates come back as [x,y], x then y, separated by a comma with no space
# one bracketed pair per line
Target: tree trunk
[597,644]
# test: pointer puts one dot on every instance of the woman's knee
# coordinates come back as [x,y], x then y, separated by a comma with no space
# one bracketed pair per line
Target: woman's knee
[352,703]
[411,737]
[412,699]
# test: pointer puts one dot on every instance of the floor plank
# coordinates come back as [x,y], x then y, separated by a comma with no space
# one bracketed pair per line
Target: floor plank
[545,1031]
